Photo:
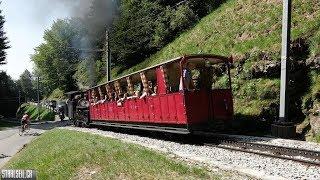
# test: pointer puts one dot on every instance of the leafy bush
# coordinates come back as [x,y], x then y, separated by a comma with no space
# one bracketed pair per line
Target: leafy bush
[57,94]
[22,109]
[47,115]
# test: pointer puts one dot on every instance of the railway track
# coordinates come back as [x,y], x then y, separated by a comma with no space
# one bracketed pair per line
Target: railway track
[304,156]
[224,141]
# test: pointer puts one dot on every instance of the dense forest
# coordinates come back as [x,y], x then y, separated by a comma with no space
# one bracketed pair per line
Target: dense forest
[71,56]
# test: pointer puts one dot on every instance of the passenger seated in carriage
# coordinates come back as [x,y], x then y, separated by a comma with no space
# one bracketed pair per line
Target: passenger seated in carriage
[121,97]
[136,95]
[94,99]
[147,91]
[155,89]
[186,82]
[105,99]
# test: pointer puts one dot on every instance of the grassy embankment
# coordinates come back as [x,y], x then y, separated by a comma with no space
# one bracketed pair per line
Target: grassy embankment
[250,31]
[32,111]
[64,154]
[317,138]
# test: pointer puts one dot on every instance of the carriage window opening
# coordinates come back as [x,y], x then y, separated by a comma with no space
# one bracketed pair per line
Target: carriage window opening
[190,76]
[116,90]
[220,77]
[136,86]
[201,75]
[130,86]
[109,92]
[102,93]
[195,74]
[94,96]
[149,83]
[121,86]
[173,73]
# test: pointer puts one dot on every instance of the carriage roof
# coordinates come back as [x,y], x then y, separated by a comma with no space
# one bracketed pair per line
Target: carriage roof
[194,57]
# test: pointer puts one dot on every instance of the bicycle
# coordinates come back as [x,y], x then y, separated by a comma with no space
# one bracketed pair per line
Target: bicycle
[24,128]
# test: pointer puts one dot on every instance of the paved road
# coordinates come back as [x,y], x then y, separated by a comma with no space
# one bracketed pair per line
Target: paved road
[11,142]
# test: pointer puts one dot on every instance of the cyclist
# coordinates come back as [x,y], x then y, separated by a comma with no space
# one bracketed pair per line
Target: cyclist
[25,121]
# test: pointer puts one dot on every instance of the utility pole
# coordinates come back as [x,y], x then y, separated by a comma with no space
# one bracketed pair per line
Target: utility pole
[108,56]
[284,128]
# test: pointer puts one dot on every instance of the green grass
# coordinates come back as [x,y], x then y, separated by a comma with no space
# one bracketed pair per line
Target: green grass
[241,26]
[57,94]
[246,30]
[32,111]
[318,138]
[64,154]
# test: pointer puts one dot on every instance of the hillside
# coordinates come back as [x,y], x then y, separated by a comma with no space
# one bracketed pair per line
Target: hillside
[250,31]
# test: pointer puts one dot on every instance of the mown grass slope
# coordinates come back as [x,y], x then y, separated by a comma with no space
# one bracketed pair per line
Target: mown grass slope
[250,31]
[63,154]
[241,26]
[32,111]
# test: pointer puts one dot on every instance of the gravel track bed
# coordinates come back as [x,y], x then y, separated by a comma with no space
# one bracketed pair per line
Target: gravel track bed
[215,158]
[280,142]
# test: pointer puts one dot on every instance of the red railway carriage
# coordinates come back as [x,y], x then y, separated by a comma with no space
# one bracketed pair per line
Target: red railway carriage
[181,95]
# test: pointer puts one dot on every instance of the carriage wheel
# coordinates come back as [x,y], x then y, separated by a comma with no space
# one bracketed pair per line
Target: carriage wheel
[84,124]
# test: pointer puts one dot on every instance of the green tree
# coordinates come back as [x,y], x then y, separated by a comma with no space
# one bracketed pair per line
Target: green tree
[56,59]
[145,26]
[9,92]
[26,84]
[3,40]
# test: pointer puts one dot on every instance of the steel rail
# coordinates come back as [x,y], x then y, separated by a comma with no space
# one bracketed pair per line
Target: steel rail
[225,139]
[228,142]
[303,161]
[281,152]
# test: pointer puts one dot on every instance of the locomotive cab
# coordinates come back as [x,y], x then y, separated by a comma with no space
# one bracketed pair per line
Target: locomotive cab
[72,103]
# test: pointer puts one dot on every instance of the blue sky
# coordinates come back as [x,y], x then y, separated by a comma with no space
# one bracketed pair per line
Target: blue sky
[26,21]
